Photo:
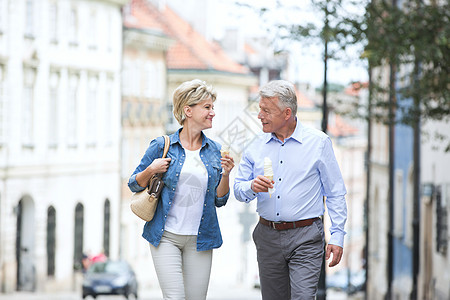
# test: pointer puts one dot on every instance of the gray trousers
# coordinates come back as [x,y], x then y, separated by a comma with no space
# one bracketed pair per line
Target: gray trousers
[289,261]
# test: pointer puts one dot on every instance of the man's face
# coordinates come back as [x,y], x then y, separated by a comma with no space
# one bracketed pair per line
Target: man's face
[272,117]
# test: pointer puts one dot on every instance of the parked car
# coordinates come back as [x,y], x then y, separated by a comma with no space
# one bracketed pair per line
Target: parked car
[110,278]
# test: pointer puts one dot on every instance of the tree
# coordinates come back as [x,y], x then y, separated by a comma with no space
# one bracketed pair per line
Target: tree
[416,38]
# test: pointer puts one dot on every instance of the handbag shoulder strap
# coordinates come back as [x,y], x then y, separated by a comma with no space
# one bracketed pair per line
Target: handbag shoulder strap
[166,145]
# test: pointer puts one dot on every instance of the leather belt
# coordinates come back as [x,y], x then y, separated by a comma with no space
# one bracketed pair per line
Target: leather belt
[287,225]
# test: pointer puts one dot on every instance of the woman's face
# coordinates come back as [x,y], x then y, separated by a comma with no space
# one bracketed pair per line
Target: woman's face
[202,114]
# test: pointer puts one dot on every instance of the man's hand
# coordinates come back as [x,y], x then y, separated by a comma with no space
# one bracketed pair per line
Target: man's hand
[261,184]
[337,254]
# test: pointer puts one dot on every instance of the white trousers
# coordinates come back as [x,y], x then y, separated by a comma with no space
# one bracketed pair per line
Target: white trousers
[183,272]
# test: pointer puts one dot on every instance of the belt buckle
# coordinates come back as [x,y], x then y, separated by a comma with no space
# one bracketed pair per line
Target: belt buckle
[274,224]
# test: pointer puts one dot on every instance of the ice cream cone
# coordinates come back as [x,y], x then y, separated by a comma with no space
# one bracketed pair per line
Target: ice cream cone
[225,150]
[268,173]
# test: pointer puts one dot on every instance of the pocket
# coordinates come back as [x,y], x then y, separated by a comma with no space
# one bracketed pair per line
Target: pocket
[320,233]
[217,169]
[254,233]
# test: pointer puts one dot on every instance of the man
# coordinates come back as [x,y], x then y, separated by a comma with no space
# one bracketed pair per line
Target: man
[289,237]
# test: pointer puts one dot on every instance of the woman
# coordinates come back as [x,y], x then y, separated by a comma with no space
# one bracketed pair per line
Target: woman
[185,229]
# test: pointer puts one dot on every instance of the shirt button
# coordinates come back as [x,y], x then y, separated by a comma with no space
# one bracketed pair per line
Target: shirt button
[177,174]
[278,214]
[173,189]
[278,197]
[180,164]
[170,202]
[206,164]
[279,179]
[199,232]
[281,161]
[205,204]
[207,190]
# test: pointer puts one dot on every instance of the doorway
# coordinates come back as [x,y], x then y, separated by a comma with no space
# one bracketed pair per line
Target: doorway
[26,270]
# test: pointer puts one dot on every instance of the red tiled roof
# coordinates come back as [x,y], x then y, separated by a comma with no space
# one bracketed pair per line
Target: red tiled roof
[341,128]
[303,101]
[355,88]
[249,49]
[190,50]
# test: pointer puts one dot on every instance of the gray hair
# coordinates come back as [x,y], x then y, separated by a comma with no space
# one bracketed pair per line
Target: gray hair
[190,93]
[284,90]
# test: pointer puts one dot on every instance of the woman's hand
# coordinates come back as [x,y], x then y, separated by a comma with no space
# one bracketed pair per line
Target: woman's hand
[159,165]
[227,163]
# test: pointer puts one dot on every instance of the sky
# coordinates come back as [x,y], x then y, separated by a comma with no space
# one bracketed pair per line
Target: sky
[306,59]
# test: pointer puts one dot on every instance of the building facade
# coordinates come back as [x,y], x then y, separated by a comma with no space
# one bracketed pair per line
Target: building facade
[434,265]
[59,139]
[189,55]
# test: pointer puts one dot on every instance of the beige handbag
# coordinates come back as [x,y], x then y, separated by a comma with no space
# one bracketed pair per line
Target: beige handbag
[143,204]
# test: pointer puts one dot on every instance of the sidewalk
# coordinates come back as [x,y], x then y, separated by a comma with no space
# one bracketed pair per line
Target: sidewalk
[213,294]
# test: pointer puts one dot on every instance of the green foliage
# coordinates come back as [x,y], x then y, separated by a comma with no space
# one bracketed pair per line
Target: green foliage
[414,37]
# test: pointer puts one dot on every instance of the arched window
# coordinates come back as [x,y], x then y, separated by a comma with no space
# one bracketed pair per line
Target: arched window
[51,240]
[106,226]
[78,236]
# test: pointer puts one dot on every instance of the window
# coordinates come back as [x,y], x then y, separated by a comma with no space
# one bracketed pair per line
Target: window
[29,18]
[136,78]
[28,107]
[3,15]
[126,77]
[73,27]
[53,122]
[78,237]
[399,204]
[109,102]
[160,79]
[51,240]
[72,111]
[106,226]
[109,33]
[442,193]
[92,31]
[150,80]
[91,111]
[3,108]
[53,22]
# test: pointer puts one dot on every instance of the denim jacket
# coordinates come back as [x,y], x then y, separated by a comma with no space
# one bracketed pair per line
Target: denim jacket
[208,236]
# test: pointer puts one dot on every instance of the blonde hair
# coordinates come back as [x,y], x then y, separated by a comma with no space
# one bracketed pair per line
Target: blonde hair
[190,93]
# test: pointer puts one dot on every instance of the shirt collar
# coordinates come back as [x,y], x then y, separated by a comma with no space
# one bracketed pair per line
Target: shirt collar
[296,135]
[175,138]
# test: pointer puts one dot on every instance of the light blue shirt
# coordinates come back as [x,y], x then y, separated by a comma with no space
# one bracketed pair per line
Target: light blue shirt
[305,169]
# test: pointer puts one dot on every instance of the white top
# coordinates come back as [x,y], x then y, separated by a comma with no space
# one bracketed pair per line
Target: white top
[187,207]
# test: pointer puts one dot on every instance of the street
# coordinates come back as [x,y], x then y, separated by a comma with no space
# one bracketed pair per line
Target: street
[213,294]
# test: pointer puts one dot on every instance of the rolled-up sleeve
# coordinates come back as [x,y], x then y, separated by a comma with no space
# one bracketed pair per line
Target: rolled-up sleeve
[221,201]
[133,185]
